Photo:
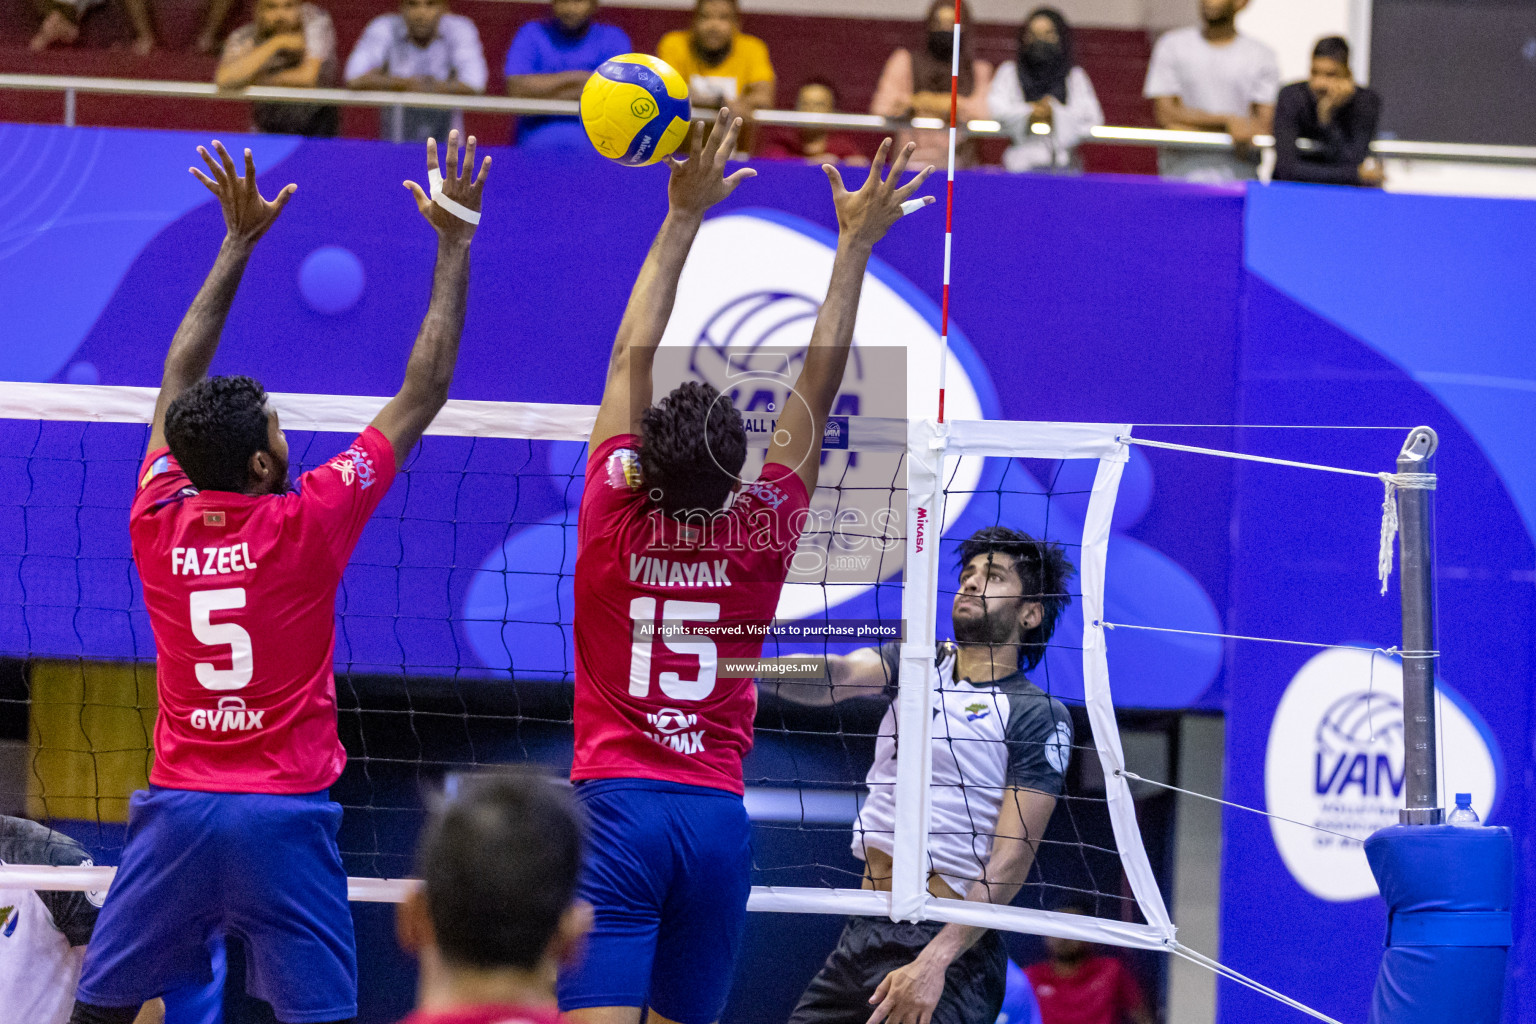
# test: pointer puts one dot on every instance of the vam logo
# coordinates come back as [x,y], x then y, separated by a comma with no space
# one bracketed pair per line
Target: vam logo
[1335,761]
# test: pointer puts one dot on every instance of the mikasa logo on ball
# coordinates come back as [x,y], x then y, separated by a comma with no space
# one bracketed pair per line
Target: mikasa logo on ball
[1335,762]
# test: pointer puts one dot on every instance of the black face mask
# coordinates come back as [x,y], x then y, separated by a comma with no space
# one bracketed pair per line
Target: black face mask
[1041,54]
[711,58]
[941,44]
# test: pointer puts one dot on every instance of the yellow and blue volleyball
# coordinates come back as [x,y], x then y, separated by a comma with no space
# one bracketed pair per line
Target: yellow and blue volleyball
[635,109]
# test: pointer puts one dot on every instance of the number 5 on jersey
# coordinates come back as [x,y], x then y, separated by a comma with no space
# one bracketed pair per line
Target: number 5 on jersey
[642,613]
[219,634]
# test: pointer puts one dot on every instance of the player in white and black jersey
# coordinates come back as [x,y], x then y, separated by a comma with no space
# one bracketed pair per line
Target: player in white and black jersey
[1001,746]
[43,935]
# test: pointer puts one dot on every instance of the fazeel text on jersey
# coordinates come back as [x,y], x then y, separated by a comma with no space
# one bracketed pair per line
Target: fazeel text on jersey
[660,604]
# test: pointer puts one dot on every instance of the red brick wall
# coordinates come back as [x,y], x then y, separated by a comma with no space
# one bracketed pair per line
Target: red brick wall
[848,52]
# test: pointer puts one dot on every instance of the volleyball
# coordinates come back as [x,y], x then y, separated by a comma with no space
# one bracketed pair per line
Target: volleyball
[635,109]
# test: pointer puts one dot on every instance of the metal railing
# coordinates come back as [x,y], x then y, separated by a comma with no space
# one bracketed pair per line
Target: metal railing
[71,87]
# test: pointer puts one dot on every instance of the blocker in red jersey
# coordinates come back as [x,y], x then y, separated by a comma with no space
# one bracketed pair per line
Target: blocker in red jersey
[680,563]
[236,832]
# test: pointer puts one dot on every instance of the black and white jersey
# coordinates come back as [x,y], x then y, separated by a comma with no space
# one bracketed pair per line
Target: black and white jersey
[987,737]
[42,934]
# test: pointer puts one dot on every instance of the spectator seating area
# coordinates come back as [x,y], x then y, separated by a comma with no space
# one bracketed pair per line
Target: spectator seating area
[848,52]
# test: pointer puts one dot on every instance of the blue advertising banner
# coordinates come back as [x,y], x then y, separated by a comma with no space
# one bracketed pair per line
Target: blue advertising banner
[1203,315]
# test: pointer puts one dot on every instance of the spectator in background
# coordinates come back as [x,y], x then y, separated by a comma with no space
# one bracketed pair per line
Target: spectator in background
[814,145]
[1213,79]
[1336,115]
[288,43]
[1073,986]
[721,63]
[916,83]
[1044,86]
[497,914]
[551,60]
[420,48]
[61,24]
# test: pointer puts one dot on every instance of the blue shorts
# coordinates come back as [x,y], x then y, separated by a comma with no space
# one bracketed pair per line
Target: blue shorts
[263,867]
[668,872]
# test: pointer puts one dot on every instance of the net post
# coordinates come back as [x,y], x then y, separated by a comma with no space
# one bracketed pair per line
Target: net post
[1416,547]
[926,441]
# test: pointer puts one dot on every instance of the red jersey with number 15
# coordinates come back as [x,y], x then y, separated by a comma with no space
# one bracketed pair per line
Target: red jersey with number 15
[659,604]
[241,592]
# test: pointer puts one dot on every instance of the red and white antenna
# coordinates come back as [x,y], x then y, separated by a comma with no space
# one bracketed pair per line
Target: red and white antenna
[949,207]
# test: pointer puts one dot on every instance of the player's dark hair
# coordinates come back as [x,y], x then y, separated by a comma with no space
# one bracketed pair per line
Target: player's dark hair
[825,83]
[499,861]
[214,427]
[698,6]
[1332,48]
[692,447]
[1043,571]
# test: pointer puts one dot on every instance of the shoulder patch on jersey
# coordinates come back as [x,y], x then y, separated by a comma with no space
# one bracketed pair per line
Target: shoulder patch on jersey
[94,897]
[355,466]
[1058,748]
[976,710]
[157,467]
[767,492]
[623,469]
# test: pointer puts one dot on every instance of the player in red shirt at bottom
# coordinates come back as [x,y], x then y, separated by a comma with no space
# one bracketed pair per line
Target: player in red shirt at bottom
[668,582]
[1074,986]
[237,833]
[497,915]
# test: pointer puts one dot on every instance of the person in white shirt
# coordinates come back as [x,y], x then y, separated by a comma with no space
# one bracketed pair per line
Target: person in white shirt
[1213,79]
[421,48]
[1044,87]
[43,935]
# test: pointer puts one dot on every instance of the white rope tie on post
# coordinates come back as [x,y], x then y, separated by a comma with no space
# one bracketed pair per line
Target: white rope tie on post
[1389,521]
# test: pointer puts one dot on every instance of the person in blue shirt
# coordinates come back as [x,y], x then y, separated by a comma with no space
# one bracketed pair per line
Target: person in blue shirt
[551,60]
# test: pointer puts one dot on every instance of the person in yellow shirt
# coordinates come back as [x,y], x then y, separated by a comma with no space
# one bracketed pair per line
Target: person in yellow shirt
[721,63]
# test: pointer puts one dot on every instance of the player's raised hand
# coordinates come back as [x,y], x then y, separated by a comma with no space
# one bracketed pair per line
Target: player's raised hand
[699,182]
[247,216]
[453,194]
[865,215]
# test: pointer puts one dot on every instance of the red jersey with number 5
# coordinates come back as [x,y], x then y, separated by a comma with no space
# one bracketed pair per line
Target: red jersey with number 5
[241,592]
[659,605]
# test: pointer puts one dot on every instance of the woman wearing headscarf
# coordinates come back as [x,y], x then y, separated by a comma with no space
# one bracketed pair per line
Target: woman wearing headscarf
[1043,99]
[915,83]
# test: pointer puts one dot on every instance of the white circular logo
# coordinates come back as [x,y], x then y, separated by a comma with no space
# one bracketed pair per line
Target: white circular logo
[1335,762]
[1058,749]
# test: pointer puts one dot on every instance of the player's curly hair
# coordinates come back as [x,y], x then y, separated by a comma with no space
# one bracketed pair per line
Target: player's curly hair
[1043,570]
[214,427]
[692,447]
[499,861]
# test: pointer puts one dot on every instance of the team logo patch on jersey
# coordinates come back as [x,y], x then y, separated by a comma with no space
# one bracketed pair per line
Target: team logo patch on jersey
[768,493]
[157,467]
[355,466]
[623,469]
[230,716]
[975,711]
[674,729]
[213,518]
[10,915]
[94,897]
[1058,749]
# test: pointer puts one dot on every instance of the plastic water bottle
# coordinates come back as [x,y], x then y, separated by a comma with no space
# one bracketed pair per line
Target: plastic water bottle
[1463,816]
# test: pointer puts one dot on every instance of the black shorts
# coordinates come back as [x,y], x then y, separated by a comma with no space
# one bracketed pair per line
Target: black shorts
[872,947]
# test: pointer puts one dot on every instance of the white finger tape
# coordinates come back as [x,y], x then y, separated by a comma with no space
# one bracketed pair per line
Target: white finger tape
[913,205]
[459,210]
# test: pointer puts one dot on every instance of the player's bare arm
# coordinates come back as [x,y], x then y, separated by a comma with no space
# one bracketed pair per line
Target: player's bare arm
[859,673]
[247,216]
[696,184]
[863,218]
[909,994]
[430,369]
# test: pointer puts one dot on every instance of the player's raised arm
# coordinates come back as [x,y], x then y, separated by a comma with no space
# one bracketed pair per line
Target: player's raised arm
[863,218]
[696,184]
[453,210]
[247,216]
